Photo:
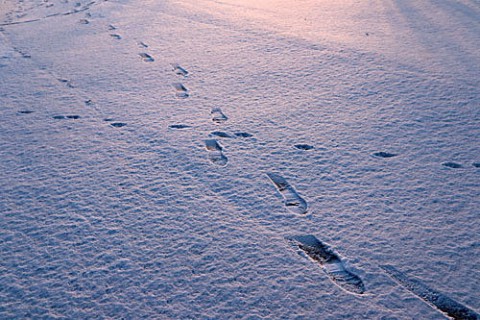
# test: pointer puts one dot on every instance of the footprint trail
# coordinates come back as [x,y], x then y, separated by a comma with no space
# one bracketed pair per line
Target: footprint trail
[330,262]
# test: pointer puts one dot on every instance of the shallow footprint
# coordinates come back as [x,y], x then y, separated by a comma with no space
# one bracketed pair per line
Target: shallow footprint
[453,165]
[330,262]
[218,116]
[146,57]
[25,111]
[437,299]
[116,36]
[182,92]
[179,70]
[291,199]
[220,134]
[243,134]
[215,152]
[384,154]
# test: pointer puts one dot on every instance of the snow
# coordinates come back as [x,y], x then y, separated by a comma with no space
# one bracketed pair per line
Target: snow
[112,206]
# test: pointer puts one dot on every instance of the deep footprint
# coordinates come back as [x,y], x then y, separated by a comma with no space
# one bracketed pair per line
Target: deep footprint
[330,262]
[384,154]
[305,147]
[182,92]
[179,70]
[215,152]
[218,116]
[476,164]
[437,299]
[146,57]
[452,165]
[291,199]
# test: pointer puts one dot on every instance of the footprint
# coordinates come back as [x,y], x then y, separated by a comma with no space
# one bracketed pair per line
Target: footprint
[118,124]
[84,21]
[437,299]
[215,152]
[384,154]
[73,117]
[476,164]
[179,70]
[146,57]
[68,83]
[59,117]
[182,92]
[452,165]
[243,134]
[330,262]
[111,27]
[116,36]
[220,134]
[218,116]
[25,111]
[88,102]
[291,199]
[142,44]
[303,147]
[179,126]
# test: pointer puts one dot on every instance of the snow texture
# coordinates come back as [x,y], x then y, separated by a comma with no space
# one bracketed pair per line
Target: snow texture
[138,137]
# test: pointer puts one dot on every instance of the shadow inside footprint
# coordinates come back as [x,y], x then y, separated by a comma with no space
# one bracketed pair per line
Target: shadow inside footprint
[384,154]
[220,134]
[118,124]
[73,117]
[146,57]
[305,147]
[243,134]
[215,152]
[452,165]
[182,92]
[179,70]
[218,116]
[25,111]
[179,126]
[330,262]
[59,117]
[476,164]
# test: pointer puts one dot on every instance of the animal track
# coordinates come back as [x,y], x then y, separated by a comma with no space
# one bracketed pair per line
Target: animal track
[182,92]
[218,116]
[118,124]
[179,126]
[384,154]
[116,36]
[437,299]
[452,165]
[303,147]
[291,199]
[330,262]
[215,152]
[146,57]
[179,70]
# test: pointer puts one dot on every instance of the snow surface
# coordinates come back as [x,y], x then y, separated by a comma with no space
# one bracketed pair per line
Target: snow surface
[112,206]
